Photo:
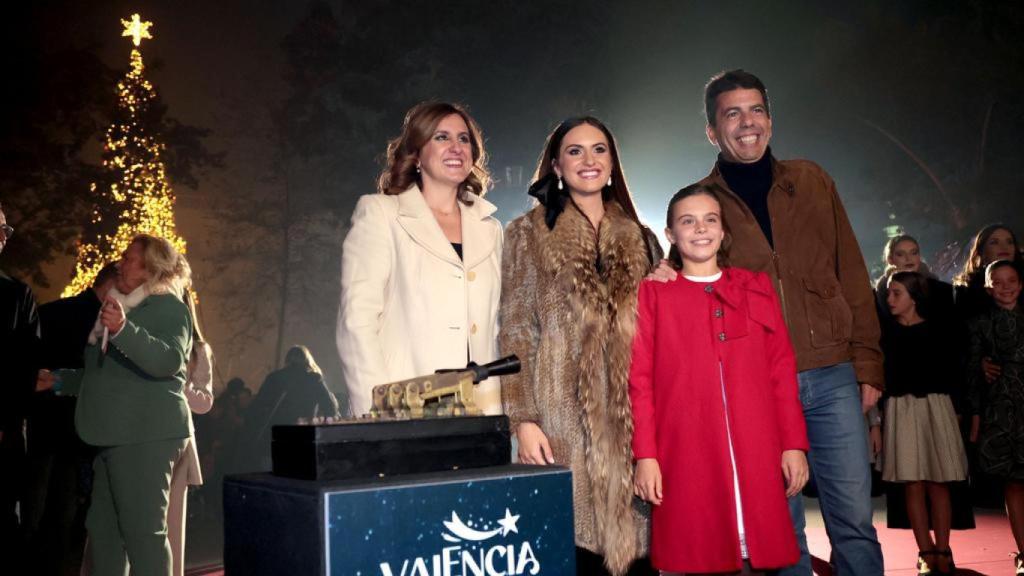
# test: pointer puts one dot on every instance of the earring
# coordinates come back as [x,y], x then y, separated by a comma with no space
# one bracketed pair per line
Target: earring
[609,181]
[417,169]
[559,182]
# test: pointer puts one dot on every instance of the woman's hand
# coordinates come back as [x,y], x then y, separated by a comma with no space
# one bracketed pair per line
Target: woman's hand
[647,480]
[975,426]
[794,470]
[199,401]
[875,433]
[533,445]
[112,315]
[663,273]
[869,396]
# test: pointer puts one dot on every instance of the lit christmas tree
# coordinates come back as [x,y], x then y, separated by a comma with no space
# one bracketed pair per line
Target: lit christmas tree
[135,197]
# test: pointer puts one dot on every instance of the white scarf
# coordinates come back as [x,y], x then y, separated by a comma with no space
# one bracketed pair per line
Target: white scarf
[127,302]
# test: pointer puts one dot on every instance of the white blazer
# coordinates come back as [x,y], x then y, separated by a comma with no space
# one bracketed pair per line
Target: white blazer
[409,305]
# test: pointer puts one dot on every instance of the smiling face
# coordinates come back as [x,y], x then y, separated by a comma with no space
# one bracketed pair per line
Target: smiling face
[906,256]
[584,160]
[696,230]
[1003,284]
[447,158]
[742,126]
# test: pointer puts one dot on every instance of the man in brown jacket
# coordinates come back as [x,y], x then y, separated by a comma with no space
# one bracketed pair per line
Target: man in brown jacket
[786,219]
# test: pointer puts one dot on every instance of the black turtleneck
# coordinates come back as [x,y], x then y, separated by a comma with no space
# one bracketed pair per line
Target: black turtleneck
[751,182]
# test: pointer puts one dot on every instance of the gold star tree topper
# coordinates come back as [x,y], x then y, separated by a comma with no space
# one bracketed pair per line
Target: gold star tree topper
[137,29]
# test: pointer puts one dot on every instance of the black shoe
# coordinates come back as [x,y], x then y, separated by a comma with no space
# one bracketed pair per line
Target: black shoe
[923,568]
[952,566]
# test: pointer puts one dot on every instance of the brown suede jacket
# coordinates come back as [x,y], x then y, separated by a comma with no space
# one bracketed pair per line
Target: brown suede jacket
[816,265]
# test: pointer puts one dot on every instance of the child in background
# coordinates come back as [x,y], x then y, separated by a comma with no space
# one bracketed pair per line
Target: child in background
[922,447]
[718,425]
[997,407]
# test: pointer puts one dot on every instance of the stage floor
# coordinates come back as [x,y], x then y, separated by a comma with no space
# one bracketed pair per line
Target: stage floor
[984,550]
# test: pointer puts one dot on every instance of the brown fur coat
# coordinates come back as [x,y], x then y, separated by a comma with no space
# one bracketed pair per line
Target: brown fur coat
[568,310]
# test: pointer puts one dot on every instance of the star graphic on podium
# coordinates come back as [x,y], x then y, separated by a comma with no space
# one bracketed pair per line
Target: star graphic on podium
[508,523]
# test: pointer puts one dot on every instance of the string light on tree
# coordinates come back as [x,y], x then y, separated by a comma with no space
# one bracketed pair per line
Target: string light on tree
[134,196]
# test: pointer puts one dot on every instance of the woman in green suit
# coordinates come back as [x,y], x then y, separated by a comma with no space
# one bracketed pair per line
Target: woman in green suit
[132,406]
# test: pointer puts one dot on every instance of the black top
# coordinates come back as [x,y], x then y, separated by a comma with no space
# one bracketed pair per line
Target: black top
[19,350]
[921,359]
[292,393]
[458,248]
[997,334]
[285,396]
[65,325]
[972,299]
[751,182]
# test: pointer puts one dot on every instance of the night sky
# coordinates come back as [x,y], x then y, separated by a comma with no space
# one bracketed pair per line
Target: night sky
[911,106]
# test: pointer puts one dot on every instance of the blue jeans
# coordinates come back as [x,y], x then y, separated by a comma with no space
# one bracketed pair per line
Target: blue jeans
[840,469]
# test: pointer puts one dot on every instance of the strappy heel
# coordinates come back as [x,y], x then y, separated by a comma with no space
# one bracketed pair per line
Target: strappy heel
[947,553]
[923,567]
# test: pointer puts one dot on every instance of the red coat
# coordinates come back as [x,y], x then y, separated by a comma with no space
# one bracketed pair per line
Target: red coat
[684,331]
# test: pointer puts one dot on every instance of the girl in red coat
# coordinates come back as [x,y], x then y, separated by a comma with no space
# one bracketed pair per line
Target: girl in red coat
[719,434]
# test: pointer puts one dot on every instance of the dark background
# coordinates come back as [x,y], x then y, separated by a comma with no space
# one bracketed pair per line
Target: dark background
[276,114]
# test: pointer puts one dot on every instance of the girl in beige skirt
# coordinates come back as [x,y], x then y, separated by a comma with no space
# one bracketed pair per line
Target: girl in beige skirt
[922,446]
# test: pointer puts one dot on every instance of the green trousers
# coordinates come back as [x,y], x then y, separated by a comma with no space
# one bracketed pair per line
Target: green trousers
[127,519]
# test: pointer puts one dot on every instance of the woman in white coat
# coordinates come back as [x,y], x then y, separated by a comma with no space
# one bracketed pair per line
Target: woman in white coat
[186,472]
[420,269]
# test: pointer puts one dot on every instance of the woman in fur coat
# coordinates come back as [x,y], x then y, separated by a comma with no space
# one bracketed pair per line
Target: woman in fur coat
[570,273]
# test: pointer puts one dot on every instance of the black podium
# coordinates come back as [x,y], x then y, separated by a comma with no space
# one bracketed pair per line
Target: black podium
[496,521]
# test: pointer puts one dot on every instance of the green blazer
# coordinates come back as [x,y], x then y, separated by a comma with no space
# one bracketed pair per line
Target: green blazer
[135,392]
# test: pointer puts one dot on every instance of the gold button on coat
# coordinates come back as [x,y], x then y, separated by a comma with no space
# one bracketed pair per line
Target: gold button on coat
[472,329]
[471,276]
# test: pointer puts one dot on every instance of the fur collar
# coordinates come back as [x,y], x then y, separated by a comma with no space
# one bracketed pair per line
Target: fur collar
[599,272]
[128,302]
[573,244]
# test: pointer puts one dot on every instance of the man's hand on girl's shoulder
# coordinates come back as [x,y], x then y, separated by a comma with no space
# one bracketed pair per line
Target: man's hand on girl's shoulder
[664,272]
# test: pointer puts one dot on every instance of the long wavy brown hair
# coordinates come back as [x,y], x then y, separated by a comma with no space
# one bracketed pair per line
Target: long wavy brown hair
[618,191]
[974,266]
[403,152]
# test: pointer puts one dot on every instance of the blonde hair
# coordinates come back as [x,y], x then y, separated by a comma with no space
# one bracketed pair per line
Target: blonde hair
[168,269]
[188,296]
[300,356]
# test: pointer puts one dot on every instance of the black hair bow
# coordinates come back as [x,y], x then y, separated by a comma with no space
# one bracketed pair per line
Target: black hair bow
[546,191]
